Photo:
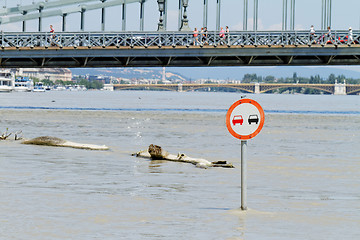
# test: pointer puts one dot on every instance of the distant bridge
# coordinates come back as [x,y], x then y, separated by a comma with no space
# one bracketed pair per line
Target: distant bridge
[337,88]
[149,49]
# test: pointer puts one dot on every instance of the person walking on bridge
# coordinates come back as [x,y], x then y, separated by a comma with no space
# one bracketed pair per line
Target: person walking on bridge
[196,36]
[52,36]
[312,34]
[227,30]
[328,36]
[204,36]
[350,36]
[222,35]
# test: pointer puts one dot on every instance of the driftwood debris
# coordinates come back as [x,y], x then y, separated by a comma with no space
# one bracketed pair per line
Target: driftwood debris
[157,153]
[51,141]
[5,135]
[58,142]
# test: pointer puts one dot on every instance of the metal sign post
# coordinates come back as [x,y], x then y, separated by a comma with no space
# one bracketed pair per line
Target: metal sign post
[244,120]
[243,175]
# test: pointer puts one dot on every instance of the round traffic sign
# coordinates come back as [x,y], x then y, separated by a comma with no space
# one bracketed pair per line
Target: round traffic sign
[245,119]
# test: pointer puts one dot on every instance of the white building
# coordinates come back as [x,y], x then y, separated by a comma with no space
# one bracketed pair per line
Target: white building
[51,74]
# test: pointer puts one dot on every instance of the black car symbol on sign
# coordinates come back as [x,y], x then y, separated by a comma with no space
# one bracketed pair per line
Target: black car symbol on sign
[253,119]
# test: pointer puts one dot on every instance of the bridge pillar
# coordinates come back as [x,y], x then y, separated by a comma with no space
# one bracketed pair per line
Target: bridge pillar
[340,88]
[180,87]
[257,88]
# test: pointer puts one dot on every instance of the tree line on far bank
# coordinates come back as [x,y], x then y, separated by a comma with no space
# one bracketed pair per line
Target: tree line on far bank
[254,78]
[251,78]
[79,81]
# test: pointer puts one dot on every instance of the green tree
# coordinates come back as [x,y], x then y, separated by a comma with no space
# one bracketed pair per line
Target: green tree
[331,79]
[269,79]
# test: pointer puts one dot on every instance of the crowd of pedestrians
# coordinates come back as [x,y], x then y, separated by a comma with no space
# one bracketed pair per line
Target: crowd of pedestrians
[201,38]
[328,37]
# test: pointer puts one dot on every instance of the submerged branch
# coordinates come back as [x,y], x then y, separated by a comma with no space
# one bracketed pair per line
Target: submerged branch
[5,135]
[157,153]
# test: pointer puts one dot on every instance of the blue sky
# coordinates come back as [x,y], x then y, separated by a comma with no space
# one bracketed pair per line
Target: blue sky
[308,12]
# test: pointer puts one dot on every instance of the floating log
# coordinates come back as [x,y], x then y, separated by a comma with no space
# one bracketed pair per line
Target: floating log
[157,153]
[58,142]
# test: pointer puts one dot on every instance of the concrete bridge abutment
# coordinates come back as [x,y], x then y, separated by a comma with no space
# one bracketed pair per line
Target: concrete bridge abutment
[257,88]
[340,88]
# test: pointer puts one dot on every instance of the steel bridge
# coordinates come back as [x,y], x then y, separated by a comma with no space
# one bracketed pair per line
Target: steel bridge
[165,48]
[145,49]
[337,88]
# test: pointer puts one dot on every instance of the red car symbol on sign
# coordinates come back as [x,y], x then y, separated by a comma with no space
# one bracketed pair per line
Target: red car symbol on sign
[237,119]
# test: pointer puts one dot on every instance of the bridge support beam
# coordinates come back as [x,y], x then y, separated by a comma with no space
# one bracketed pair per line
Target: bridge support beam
[218,4]
[205,13]
[123,15]
[245,17]
[40,18]
[142,11]
[165,15]
[326,14]
[24,22]
[103,19]
[82,18]
[257,88]
[284,15]
[292,15]
[256,10]
[64,22]
[340,88]
[180,15]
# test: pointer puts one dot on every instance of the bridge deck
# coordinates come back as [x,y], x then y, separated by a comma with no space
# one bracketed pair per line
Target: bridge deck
[125,49]
[196,56]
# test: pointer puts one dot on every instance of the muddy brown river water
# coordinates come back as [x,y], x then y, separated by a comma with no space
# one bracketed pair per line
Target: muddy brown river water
[303,168]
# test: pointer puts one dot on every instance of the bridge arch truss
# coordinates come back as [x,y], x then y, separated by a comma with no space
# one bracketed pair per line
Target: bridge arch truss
[266,87]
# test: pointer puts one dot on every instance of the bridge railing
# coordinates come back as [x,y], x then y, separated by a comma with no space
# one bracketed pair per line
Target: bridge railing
[175,39]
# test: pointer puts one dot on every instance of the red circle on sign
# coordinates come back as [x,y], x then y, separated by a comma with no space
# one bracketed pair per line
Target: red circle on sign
[241,121]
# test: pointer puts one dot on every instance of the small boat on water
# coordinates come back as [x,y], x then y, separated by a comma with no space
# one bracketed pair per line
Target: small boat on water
[7,81]
[24,84]
[39,87]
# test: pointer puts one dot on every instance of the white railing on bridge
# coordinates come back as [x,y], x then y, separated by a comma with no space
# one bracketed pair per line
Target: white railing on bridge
[175,39]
